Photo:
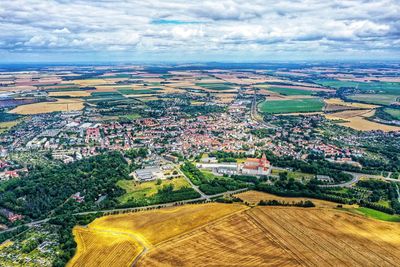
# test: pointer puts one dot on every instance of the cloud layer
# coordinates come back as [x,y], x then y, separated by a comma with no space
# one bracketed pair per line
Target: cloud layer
[257,29]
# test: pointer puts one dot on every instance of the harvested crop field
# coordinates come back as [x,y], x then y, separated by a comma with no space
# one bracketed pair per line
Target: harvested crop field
[235,235]
[70,93]
[104,248]
[168,222]
[337,104]
[338,101]
[279,236]
[254,197]
[61,104]
[357,119]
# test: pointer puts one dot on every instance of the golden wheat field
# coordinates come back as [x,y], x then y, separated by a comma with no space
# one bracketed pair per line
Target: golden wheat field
[104,248]
[357,119]
[338,101]
[168,222]
[235,235]
[46,107]
[254,197]
[146,229]
[283,236]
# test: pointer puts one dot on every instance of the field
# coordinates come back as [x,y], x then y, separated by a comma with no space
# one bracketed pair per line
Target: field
[5,126]
[378,215]
[148,228]
[379,87]
[337,104]
[395,113]
[378,99]
[236,235]
[289,91]
[61,104]
[132,116]
[254,197]
[70,93]
[139,91]
[291,106]
[146,189]
[357,119]
[215,86]
[104,248]
[281,236]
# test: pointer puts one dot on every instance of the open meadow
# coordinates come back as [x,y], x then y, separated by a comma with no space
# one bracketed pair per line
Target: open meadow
[144,190]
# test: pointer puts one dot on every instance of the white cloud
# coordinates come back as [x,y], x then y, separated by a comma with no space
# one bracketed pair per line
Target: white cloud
[226,26]
[62,31]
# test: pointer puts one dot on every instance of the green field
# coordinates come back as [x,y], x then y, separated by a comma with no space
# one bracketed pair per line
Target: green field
[378,215]
[128,91]
[291,106]
[289,91]
[395,113]
[132,116]
[103,96]
[5,126]
[378,99]
[379,87]
[216,86]
[147,189]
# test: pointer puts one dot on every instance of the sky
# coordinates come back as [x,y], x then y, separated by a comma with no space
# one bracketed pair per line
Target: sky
[195,31]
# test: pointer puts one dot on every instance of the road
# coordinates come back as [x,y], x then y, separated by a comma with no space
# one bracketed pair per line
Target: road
[195,187]
[356,178]
[398,192]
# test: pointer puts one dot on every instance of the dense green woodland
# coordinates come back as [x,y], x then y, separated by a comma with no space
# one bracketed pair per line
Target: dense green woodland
[48,188]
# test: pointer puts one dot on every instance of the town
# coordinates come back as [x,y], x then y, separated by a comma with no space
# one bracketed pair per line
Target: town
[123,138]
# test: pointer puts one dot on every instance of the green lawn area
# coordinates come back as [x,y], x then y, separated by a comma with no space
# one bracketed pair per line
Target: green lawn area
[378,99]
[290,91]
[378,215]
[395,113]
[215,86]
[129,91]
[208,175]
[294,175]
[147,189]
[384,203]
[291,106]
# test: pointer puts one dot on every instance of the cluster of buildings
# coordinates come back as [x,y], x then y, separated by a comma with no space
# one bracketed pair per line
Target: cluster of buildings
[251,166]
